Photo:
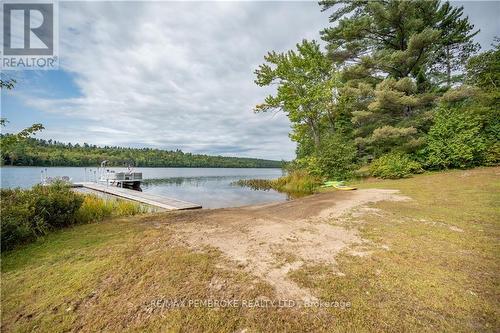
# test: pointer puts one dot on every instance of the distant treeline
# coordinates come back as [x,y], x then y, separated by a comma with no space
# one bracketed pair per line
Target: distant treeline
[37,152]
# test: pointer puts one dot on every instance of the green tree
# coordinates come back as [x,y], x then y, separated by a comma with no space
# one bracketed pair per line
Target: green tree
[305,79]
[398,38]
[396,57]
[8,142]
[7,83]
[456,44]
[483,70]
[336,157]
[456,139]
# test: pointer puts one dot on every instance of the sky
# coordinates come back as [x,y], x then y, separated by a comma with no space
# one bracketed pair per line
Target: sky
[174,75]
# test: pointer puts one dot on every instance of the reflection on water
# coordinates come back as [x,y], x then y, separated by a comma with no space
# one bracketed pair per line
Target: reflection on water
[198,181]
[210,187]
[211,191]
[195,181]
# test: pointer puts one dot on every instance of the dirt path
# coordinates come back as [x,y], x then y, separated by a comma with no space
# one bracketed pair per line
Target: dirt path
[269,241]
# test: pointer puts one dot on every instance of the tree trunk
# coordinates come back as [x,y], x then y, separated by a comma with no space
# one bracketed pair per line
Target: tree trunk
[331,120]
[315,132]
[448,66]
[407,111]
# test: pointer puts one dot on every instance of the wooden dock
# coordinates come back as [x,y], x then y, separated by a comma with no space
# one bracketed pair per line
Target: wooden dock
[150,199]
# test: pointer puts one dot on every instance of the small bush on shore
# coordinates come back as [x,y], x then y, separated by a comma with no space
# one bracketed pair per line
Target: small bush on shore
[27,214]
[394,165]
[336,158]
[297,181]
[455,140]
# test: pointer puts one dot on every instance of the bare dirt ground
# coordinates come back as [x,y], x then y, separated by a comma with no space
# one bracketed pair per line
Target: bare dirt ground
[272,240]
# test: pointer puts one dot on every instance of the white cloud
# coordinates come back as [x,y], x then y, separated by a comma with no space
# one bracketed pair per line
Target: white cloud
[177,75]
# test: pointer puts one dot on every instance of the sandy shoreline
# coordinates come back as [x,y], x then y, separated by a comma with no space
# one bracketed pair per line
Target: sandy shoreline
[272,240]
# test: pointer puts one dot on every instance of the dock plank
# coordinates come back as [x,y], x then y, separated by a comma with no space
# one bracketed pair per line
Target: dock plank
[150,199]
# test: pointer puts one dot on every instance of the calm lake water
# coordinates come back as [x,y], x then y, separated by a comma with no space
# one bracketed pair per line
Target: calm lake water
[210,187]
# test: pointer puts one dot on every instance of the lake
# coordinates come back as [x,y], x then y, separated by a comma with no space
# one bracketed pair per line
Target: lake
[210,187]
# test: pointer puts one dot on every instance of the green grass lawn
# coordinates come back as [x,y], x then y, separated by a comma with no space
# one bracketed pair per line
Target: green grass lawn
[432,265]
[435,260]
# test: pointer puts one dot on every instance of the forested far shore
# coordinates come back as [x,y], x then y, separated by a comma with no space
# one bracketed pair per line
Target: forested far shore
[39,152]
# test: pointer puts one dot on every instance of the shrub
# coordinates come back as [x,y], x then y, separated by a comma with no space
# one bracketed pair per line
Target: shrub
[455,140]
[492,154]
[394,165]
[18,220]
[29,214]
[298,181]
[335,158]
[56,204]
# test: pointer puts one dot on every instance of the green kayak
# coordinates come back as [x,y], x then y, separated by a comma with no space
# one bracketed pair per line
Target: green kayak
[339,185]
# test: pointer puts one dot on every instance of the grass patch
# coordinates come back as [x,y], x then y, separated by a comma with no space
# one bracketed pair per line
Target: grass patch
[28,214]
[104,276]
[95,208]
[297,183]
[434,265]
